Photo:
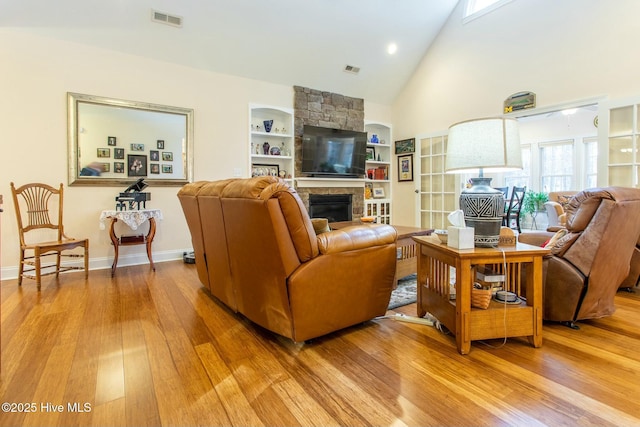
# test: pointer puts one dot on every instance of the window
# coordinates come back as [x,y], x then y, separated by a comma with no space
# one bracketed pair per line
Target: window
[556,166]
[520,178]
[591,162]
[477,8]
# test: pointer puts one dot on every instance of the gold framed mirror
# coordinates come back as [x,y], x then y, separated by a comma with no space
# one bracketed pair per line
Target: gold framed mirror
[113,142]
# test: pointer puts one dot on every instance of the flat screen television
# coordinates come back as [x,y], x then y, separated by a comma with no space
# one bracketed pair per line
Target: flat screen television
[333,152]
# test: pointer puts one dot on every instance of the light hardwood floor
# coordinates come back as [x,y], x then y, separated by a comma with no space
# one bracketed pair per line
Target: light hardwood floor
[154,349]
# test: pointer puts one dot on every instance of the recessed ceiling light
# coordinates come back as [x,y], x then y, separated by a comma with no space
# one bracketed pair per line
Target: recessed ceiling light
[392,48]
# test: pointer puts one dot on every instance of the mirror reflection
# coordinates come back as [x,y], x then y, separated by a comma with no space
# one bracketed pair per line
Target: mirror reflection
[115,142]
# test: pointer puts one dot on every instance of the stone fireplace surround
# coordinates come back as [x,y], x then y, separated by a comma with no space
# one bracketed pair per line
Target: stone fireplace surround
[330,110]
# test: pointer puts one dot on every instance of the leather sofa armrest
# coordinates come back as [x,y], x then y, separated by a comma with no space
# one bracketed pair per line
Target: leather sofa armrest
[356,237]
[536,238]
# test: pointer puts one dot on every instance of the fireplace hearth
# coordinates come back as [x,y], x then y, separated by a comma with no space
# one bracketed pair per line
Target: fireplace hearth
[334,207]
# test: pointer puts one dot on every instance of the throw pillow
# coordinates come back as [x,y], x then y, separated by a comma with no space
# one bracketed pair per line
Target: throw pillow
[320,225]
[551,243]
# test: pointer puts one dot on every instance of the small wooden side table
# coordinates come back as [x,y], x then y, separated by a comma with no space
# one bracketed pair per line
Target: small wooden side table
[435,275]
[133,219]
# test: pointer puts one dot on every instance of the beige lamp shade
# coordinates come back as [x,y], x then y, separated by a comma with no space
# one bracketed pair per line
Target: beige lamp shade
[490,144]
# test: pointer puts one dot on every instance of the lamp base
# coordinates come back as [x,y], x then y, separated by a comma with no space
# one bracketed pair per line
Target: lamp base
[483,207]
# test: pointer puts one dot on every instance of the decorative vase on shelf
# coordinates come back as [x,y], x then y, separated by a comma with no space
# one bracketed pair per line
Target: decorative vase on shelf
[267,125]
[265,148]
[374,138]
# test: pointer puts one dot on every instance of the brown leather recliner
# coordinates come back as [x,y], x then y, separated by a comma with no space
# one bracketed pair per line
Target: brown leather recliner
[256,250]
[585,267]
[633,279]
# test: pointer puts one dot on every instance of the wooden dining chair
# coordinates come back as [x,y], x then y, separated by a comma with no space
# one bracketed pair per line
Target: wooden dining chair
[37,206]
[514,208]
[505,193]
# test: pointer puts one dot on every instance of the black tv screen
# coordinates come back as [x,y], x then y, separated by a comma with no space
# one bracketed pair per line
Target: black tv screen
[333,152]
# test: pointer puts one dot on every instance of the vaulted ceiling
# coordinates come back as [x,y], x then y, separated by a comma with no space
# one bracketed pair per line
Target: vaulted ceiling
[293,42]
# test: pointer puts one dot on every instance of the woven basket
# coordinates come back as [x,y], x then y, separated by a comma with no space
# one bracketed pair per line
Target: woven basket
[480,298]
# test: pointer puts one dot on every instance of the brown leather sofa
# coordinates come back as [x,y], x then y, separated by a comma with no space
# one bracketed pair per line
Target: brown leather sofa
[587,265]
[257,252]
[633,279]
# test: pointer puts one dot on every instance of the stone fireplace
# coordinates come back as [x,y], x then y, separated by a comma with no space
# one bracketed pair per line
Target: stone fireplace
[331,110]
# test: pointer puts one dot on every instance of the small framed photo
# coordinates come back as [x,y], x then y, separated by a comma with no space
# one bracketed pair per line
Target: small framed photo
[118,153]
[104,152]
[160,144]
[154,167]
[136,165]
[378,193]
[118,167]
[405,167]
[111,140]
[167,156]
[406,146]
[137,147]
[265,170]
[167,168]
[371,153]
[106,167]
[154,155]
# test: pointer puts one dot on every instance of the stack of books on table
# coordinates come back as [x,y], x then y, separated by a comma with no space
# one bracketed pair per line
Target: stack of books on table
[489,279]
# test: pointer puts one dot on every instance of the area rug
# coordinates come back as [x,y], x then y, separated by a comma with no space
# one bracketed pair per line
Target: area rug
[405,293]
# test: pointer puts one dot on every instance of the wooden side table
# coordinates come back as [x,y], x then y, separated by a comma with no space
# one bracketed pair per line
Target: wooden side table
[133,219]
[500,320]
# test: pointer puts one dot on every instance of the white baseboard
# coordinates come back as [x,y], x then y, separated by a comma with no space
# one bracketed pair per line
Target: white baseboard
[105,262]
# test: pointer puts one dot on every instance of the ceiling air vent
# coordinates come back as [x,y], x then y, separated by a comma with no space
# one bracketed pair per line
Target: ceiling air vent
[165,18]
[351,69]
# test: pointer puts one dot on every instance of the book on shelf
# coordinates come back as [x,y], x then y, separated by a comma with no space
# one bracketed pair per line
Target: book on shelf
[486,274]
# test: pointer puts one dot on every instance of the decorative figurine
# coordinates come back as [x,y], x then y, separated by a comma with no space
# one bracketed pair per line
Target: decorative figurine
[265,148]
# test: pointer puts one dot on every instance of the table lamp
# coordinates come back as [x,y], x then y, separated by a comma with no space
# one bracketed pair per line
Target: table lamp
[492,145]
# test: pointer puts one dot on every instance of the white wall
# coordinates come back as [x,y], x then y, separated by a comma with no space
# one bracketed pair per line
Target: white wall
[563,51]
[35,76]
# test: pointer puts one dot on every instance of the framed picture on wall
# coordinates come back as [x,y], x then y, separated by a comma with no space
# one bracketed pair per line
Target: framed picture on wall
[136,165]
[118,167]
[104,152]
[154,168]
[118,153]
[406,146]
[111,140]
[405,167]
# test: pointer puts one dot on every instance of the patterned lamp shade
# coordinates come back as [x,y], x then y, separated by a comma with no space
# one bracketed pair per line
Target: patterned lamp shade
[491,144]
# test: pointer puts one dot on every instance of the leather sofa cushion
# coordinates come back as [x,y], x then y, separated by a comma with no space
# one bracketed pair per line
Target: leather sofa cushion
[356,237]
[298,221]
[583,206]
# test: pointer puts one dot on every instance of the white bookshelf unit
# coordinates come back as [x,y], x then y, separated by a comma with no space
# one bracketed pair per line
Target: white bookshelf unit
[271,152]
[379,168]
